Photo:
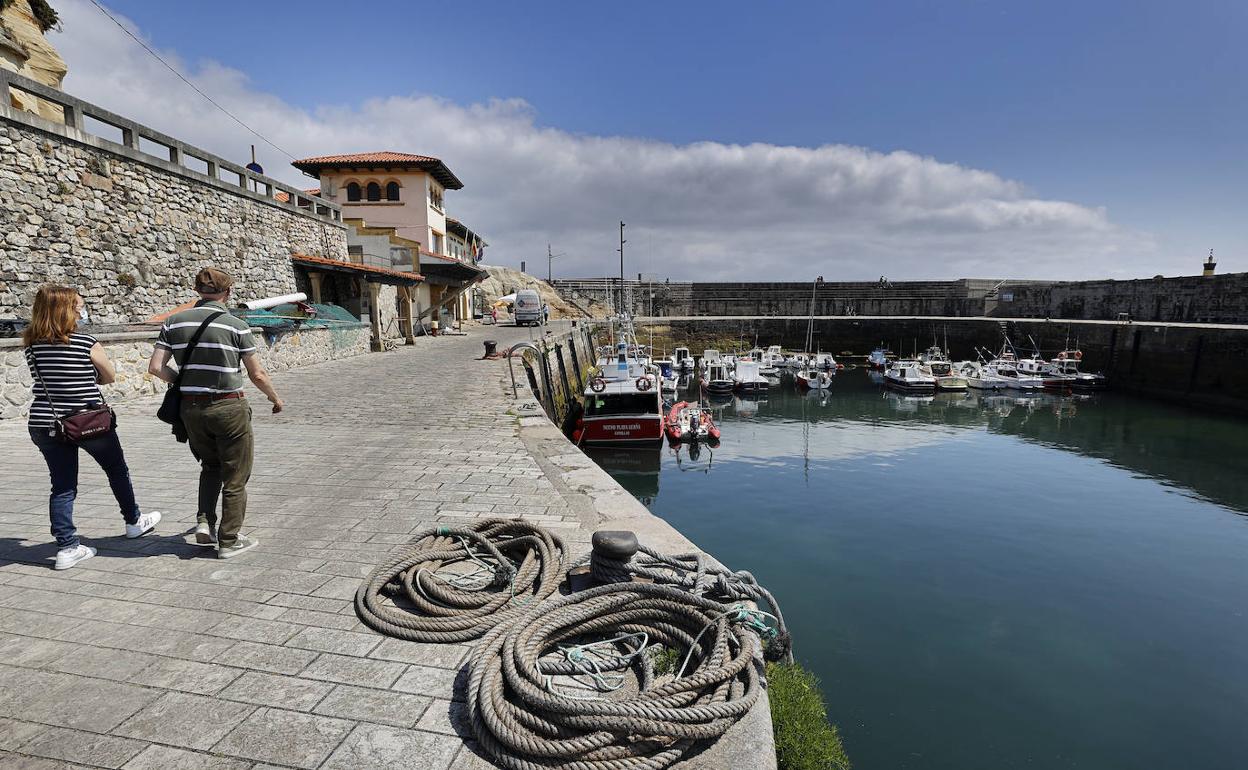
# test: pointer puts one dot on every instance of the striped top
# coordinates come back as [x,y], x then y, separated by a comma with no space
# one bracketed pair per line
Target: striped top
[69,374]
[216,365]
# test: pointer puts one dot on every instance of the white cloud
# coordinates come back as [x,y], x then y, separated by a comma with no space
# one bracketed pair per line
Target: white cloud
[705,210]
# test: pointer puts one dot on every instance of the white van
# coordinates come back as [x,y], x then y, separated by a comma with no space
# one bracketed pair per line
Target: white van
[528,307]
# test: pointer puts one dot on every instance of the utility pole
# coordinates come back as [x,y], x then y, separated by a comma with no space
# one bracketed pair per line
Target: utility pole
[550,258]
[622,242]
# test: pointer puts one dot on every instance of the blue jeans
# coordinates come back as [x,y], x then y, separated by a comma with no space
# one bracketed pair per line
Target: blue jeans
[62,459]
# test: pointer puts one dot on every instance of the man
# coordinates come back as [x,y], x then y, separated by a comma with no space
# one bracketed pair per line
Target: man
[217,416]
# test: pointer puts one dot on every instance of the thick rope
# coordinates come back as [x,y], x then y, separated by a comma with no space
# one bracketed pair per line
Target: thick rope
[513,566]
[525,715]
[695,573]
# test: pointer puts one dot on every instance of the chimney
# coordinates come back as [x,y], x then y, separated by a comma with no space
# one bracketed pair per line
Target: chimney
[1209,265]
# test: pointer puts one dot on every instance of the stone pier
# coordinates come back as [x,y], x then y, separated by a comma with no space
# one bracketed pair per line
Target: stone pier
[155,655]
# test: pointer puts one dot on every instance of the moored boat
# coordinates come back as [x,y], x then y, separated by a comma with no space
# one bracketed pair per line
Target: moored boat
[717,378]
[622,403]
[813,379]
[690,422]
[747,377]
[1067,364]
[909,376]
[879,358]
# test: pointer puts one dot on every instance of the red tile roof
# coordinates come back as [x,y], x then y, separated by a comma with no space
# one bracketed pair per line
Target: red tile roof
[339,264]
[386,158]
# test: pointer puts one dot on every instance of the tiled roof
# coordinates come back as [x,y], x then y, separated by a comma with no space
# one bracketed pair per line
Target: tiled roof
[386,158]
[342,265]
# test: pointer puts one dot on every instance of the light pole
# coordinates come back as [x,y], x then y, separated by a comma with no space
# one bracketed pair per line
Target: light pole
[622,242]
[810,327]
[550,258]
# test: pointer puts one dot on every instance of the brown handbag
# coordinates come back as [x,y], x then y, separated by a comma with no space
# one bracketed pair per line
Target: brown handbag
[80,424]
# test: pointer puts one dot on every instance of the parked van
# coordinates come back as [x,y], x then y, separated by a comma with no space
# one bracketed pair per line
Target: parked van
[528,307]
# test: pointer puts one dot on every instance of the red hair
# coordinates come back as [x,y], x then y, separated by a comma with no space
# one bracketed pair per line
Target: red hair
[53,317]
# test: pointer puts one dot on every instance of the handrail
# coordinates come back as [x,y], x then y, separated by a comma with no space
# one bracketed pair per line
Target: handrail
[76,111]
[511,351]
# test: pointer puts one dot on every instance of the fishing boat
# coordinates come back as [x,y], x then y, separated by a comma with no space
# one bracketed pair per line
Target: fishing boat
[937,364]
[799,361]
[710,356]
[717,378]
[909,376]
[773,358]
[622,402]
[690,422]
[1005,367]
[681,360]
[667,377]
[814,379]
[1066,364]
[748,378]
[879,358]
[978,377]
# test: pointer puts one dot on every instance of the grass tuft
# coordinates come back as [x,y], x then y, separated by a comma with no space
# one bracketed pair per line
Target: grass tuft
[805,740]
[665,660]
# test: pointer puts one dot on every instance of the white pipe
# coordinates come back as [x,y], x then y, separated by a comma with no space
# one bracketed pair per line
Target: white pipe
[268,302]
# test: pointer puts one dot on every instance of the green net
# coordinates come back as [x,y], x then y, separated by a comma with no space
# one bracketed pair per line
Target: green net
[286,317]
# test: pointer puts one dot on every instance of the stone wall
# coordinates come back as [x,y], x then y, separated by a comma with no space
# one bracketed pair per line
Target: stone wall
[388,312]
[130,352]
[1194,298]
[131,236]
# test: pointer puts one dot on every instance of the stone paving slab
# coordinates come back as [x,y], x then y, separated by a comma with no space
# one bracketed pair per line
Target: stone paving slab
[155,655]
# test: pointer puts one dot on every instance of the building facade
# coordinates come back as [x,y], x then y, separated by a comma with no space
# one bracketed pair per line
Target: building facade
[395,206]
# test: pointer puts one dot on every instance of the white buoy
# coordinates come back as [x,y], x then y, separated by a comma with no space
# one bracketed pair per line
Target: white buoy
[268,302]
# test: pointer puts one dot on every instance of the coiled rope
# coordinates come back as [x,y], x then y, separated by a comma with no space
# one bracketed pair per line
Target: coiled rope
[695,573]
[546,691]
[455,583]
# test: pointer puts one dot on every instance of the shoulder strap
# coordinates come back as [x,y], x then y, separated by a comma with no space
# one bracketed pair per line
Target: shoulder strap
[190,346]
[34,366]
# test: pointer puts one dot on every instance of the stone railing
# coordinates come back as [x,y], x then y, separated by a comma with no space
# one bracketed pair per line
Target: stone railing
[131,350]
[151,147]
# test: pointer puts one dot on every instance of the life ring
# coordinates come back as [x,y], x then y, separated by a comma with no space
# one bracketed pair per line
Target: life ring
[1078,355]
[643,383]
[597,384]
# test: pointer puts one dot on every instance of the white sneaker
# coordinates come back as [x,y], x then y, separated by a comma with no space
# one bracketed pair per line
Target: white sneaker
[145,524]
[68,557]
[205,533]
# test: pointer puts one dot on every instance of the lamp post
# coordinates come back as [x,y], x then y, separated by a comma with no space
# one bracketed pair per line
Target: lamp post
[810,327]
[550,258]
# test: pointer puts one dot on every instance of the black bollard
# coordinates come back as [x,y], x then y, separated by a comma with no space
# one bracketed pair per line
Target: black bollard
[490,346]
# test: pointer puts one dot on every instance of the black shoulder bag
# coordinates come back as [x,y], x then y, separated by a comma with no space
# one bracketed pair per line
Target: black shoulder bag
[80,424]
[171,408]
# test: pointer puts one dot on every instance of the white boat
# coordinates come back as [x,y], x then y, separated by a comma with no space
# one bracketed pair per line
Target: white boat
[681,360]
[710,356]
[799,361]
[814,379]
[748,378]
[823,361]
[879,359]
[1006,368]
[773,358]
[939,366]
[909,376]
[717,378]
[979,378]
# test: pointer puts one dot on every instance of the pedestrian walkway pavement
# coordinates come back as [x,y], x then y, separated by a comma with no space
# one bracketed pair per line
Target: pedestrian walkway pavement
[156,655]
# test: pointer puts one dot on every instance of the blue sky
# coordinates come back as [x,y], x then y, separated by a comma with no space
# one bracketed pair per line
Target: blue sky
[1137,107]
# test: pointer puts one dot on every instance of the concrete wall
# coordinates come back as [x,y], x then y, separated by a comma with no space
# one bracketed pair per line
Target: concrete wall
[129,228]
[130,352]
[1218,299]
[1204,366]
[1215,299]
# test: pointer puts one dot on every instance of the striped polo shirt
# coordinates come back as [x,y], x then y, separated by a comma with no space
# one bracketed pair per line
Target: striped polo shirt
[216,364]
[69,374]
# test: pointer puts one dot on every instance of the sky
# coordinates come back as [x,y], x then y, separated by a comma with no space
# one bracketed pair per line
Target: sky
[739,141]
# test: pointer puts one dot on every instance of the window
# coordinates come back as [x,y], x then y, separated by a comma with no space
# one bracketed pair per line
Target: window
[392,191]
[353,191]
[435,196]
[623,404]
[438,242]
[374,191]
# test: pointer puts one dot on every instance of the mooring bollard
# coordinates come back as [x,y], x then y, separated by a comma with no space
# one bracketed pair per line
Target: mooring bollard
[490,346]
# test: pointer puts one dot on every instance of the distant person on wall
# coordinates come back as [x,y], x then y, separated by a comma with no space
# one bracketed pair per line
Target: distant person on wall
[67,368]
[216,415]
[545,314]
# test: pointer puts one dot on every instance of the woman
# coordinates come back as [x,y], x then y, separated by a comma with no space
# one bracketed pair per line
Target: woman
[70,365]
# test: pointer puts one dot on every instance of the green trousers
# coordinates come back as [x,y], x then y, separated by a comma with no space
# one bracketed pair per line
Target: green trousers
[220,433]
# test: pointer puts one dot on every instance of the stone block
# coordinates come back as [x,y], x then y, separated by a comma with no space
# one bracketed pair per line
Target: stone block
[374,747]
[285,737]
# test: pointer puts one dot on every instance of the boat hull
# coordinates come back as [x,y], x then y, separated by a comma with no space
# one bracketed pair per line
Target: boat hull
[617,430]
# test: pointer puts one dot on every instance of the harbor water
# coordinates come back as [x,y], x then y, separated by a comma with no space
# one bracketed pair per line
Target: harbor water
[988,581]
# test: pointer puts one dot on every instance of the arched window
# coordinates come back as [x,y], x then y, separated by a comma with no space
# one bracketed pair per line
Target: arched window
[374,191]
[392,191]
[353,191]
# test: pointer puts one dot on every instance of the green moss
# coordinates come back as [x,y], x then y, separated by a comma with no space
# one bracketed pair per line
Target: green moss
[664,659]
[805,740]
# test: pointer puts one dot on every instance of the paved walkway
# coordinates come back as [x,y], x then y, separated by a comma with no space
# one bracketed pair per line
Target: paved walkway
[154,655]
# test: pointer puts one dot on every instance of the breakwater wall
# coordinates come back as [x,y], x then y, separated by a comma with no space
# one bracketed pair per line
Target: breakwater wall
[1201,365]
[127,214]
[556,368]
[1187,299]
